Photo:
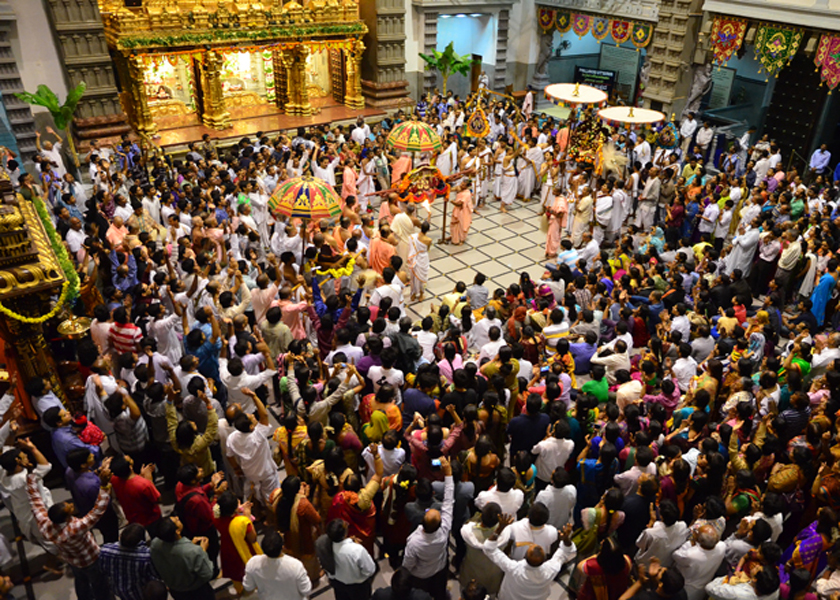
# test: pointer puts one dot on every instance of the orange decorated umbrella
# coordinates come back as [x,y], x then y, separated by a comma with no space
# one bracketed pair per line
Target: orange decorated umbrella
[304,198]
[414,136]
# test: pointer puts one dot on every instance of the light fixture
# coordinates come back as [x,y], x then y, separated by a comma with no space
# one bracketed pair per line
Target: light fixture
[460,15]
[445,16]
[476,15]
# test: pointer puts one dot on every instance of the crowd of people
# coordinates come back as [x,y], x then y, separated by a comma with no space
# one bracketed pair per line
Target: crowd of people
[655,418]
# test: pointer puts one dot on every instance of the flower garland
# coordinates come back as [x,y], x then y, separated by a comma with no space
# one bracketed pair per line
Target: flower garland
[338,272]
[70,287]
[65,290]
[59,250]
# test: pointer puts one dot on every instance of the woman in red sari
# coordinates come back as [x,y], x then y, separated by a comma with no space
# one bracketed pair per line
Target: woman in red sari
[605,576]
[237,536]
[354,504]
[300,524]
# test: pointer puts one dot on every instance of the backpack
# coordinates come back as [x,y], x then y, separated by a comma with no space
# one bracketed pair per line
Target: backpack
[180,511]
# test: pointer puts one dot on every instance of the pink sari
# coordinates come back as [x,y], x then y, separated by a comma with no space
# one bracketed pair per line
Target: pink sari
[461,217]
[348,187]
[557,218]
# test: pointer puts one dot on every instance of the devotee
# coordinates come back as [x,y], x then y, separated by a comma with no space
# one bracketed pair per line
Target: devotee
[611,390]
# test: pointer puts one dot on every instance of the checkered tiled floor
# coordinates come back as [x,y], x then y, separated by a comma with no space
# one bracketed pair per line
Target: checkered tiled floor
[499,245]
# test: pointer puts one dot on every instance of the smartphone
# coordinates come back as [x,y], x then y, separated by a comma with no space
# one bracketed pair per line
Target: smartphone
[435,463]
[544,370]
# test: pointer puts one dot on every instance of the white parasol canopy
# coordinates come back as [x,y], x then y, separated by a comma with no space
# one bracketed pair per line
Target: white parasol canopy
[572,94]
[630,117]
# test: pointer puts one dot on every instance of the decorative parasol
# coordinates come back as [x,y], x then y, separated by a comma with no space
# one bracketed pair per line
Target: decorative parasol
[304,198]
[574,94]
[630,117]
[414,136]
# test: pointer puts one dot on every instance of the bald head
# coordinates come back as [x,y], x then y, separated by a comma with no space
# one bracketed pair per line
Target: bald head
[535,556]
[834,340]
[707,537]
[431,520]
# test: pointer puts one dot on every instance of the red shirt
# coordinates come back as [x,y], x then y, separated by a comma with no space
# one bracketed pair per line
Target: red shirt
[139,499]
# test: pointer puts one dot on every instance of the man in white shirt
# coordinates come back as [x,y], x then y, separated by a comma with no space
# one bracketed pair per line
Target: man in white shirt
[648,200]
[619,359]
[687,129]
[75,236]
[386,373]
[427,548]
[276,576]
[389,289]
[533,530]
[591,250]
[529,579]
[722,225]
[392,456]
[323,168]
[560,498]
[826,354]
[426,339]
[481,330]
[553,452]
[680,321]
[237,379]
[704,139]
[52,150]
[343,344]
[503,493]
[249,452]
[685,367]
[491,348]
[642,152]
[660,540]
[353,565]
[698,560]
[775,156]
[628,481]
[708,219]
[361,132]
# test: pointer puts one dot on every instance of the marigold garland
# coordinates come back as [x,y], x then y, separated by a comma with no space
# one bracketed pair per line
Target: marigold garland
[65,288]
[335,273]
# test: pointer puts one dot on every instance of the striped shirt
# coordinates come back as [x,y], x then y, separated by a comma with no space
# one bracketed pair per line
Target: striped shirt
[129,569]
[73,539]
[125,337]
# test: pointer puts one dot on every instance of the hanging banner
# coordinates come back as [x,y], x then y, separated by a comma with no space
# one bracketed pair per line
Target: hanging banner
[600,28]
[620,31]
[581,24]
[562,21]
[774,46]
[545,19]
[642,34]
[827,58]
[727,36]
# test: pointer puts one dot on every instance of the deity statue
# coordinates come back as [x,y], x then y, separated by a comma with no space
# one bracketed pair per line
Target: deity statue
[540,78]
[700,86]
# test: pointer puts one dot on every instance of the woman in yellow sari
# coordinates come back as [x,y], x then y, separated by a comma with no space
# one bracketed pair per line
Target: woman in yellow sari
[238,538]
[373,431]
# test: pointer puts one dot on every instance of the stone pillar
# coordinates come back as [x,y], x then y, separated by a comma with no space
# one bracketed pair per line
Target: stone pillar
[383,70]
[80,33]
[295,62]
[353,94]
[214,113]
[500,75]
[134,102]
[429,44]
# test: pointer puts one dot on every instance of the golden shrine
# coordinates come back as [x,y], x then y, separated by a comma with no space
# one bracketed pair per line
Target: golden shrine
[30,275]
[198,61]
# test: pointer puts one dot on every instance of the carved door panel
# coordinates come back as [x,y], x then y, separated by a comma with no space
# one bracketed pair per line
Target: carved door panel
[281,83]
[338,74]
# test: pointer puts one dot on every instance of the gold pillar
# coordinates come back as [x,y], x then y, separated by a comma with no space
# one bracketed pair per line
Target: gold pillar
[353,91]
[281,88]
[214,113]
[133,97]
[294,61]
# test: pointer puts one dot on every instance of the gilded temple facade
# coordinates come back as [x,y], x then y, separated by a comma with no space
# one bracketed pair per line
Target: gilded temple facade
[207,59]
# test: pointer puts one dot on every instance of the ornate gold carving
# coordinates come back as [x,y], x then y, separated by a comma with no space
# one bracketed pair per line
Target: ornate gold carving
[27,262]
[243,98]
[136,101]
[294,61]
[353,93]
[169,108]
[215,112]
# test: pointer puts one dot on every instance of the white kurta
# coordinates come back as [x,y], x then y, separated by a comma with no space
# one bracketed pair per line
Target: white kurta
[742,253]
